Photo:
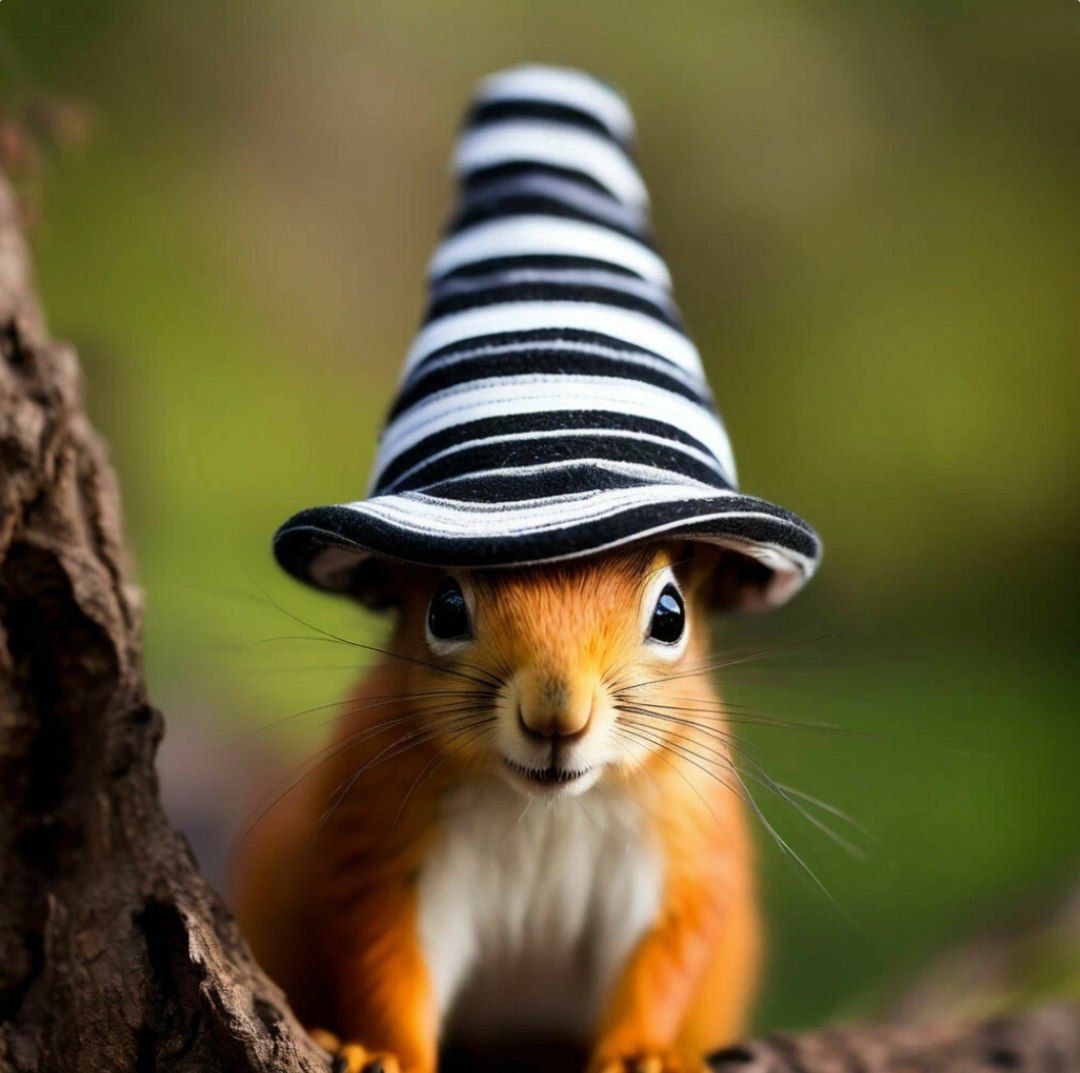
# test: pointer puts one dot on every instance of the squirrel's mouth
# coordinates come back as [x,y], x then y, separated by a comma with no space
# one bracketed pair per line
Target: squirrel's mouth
[550,776]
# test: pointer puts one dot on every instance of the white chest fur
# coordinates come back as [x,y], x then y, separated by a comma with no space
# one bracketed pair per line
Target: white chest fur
[528,909]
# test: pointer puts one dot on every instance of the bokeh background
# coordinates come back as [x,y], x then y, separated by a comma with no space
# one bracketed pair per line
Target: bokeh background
[871,213]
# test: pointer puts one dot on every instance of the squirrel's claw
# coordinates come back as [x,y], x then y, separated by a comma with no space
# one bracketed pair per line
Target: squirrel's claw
[353,1057]
[650,1062]
[358,1059]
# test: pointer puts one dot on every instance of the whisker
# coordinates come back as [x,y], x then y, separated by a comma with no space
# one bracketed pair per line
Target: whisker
[324,756]
[732,661]
[765,780]
[394,749]
[778,680]
[588,815]
[833,810]
[330,636]
[689,755]
[759,775]
[658,738]
[506,671]
[670,733]
[376,702]
[477,696]
[792,855]
[744,794]
[629,735]
[397,747]
[434,764]
[624,775]
[746,716]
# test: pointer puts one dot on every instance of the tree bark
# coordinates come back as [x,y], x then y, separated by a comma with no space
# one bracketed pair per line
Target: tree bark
[1044,1040]
[115,955]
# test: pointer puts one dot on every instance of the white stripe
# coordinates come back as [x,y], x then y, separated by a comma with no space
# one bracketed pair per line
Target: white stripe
[522,236]
[450,518]
[507,396]
[638,470]
[560,85]
[562,433]
[544,142]
[625,324]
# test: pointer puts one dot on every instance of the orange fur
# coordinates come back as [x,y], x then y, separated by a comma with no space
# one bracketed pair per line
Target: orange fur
[326,886]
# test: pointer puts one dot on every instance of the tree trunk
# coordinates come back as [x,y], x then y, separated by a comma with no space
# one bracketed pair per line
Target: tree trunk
[115,955]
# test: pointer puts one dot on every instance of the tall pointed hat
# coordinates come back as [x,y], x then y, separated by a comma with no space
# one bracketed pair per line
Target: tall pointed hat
[552,404]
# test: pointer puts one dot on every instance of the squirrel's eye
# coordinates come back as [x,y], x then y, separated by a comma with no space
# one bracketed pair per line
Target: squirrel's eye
[448,614]
[669,617]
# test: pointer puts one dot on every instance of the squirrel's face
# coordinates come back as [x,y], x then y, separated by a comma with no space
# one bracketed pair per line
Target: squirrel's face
[560,664]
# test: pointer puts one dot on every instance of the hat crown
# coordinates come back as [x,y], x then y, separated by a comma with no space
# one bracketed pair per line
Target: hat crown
[547,294]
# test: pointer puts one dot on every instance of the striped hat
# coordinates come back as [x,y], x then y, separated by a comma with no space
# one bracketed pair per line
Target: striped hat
[552,404]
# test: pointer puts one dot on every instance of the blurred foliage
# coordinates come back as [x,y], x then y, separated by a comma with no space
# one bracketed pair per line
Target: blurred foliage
[871,213]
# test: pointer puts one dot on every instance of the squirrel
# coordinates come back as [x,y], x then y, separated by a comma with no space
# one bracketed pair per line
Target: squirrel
[530,823]
[524,828]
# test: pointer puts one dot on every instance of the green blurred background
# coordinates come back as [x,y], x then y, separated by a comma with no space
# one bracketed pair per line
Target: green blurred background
[871,213]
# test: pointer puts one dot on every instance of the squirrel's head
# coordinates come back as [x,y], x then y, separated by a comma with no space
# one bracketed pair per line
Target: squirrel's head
[556,674]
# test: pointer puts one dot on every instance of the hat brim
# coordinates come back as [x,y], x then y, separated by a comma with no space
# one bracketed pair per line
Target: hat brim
[324,546]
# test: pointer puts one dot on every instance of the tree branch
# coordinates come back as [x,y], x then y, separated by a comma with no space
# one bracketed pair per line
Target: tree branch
[1045,1040]
[114,952]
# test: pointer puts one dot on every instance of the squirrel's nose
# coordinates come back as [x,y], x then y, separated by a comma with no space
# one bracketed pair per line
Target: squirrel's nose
[551,708]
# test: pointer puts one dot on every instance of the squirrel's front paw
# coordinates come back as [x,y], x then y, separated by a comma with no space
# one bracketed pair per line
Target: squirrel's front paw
[649,1062]
[353,1057]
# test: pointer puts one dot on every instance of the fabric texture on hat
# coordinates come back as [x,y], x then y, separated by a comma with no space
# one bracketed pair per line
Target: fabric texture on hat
[552,404]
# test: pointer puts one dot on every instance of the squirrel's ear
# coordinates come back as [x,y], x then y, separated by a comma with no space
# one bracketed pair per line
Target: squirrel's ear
[386,585]
[378,584]
[718,577]
[737,581]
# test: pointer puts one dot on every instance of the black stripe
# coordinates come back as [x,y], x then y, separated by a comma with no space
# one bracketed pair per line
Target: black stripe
[498,208]
[538,336]
[552,261]
[786,531]
[499,488]
[560,449]
[546,421]
[486,112]
[549,292]
[511,168]
[551,361]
